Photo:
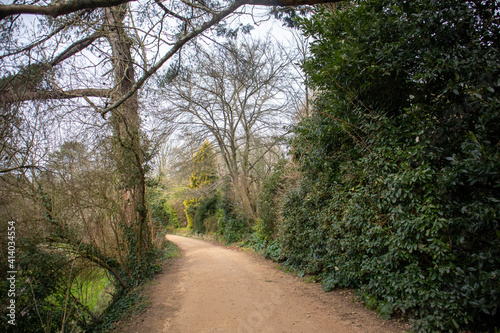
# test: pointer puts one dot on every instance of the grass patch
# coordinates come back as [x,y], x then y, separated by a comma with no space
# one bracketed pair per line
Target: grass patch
[172,251]
[311,279]
[94,290]
[186,231]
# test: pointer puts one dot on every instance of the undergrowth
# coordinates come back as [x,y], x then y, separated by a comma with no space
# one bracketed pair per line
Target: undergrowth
[126,305]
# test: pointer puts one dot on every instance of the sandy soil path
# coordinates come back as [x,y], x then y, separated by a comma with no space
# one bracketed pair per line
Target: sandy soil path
[216,289]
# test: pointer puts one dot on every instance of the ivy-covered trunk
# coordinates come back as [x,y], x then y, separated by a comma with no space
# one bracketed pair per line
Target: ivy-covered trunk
[127,146]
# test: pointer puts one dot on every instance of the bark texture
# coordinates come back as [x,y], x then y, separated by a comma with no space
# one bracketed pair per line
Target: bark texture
[125,121]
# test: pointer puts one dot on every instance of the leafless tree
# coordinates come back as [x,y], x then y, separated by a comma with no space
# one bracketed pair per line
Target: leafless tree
[303,100]
[237,94]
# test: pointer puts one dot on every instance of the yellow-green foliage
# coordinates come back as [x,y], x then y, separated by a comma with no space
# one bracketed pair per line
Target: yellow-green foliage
[203,174]
[190,210]
[204,171]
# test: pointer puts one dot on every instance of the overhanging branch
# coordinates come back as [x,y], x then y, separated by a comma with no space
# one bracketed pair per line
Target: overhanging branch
[76,47]
[22,167]
[215,19]
[32,95]
[23,86]
[288,3]
[71,6]
[58,9]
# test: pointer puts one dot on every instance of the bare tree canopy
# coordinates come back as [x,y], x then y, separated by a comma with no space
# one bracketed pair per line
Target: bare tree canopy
[58,8]
[166,25]
[236,94]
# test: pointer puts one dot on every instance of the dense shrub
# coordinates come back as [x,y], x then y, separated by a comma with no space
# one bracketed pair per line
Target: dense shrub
[40,289]
[205,212]
[273,251]
[159,213]
[231,226]
[172,216]
[400,193]
[269,202]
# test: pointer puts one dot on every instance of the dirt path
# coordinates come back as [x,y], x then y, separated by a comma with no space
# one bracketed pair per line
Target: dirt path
[215,289]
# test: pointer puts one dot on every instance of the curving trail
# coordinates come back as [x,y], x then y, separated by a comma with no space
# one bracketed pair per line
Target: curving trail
[216,289]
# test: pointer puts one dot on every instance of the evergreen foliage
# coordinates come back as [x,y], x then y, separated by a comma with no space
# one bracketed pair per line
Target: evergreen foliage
[206,209]
[231,226]
[400,187]
[268,202]
[160,212]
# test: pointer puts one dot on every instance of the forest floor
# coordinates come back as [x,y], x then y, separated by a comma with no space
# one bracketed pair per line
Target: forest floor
[211,288]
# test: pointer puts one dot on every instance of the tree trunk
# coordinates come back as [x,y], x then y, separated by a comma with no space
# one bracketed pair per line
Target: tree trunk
[126,128]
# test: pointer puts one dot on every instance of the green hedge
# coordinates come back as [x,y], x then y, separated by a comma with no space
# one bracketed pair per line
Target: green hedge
[400,193]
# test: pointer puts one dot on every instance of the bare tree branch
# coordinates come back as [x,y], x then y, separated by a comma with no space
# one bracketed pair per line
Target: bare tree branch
[23,86]
[74,5]
[71,6]
[35,44]
[288,3]
[40,95]
[7,170]
[58,8]
[215,19]
[169,12]
[76,47]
